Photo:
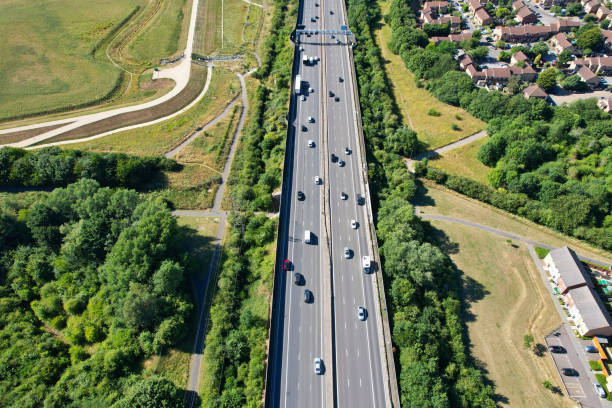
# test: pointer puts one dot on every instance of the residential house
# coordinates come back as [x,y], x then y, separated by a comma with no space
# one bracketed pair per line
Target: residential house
[605,104]
[526,33]
[566,270]
[561,43]
[599,65]
[534,91]
[474,5]
[527,73]
[526,16]
[588,76]
[465,60]
[497,75]
[588,312]
[603,12]
[482,17]
[591,7]
[519,57]
[564,25]
[474,73]
[456,38]
[607,36]
[439,7]
[517,5]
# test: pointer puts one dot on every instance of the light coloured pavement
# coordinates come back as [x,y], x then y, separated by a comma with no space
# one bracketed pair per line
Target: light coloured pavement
[431,153]
[179,73]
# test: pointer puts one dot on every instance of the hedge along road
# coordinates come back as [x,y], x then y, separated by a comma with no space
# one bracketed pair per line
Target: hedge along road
[180,73]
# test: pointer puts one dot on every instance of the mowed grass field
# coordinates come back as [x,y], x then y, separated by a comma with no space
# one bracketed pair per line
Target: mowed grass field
[174,363]
[414,102]
[435,199]
[47,62]
[463,162]
[505,298]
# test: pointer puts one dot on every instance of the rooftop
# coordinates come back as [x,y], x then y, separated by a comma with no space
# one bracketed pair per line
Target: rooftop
[570,268]
[592,309]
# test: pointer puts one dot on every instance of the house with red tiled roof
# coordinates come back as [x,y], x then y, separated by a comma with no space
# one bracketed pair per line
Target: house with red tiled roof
[588,76]
[526,16]
[534,91]
[483,17]
[519,57]
[561,43]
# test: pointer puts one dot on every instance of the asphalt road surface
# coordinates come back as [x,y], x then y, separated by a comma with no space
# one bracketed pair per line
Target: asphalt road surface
[355,361]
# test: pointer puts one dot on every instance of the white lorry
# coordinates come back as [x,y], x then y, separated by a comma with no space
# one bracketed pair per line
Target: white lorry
[298,84]
[365,262]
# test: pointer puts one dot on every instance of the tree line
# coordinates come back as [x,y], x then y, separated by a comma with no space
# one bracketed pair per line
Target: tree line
[92,281]
[54,167]
[421,283]
[552,165]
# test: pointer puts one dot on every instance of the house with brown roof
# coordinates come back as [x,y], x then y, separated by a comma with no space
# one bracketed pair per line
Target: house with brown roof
[439,7]
[607,35]
[517,5]
[588,76]
[465,60]
[474,5]
[526,16]
[534,91]
[526,73]
[591,7]
[519,57]
[599,65]
[602,13]
[456,38]
[561,43]
[526,33]
[564,25]
[474,73]
[605,104]
[482,17]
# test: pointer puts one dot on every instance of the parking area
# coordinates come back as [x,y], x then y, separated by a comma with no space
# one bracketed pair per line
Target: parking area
[575,385]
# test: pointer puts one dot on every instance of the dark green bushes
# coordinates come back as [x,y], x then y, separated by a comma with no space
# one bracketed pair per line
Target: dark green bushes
[54,167]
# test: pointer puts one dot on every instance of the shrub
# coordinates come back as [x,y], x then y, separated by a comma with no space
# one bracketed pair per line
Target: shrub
[595,365]
[456,127]
[541,252]
[433,112]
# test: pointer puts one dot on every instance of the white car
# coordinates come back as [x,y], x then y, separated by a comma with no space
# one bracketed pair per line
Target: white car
[361,313]
[310,90]
[317,179]
[343,196]
[302,98]
[318,366]
[311,143]
[341,163]
[347,253]
[354,224]
[310,119]
[599,390]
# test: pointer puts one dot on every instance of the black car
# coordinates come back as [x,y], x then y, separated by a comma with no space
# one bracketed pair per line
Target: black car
[334,158]
[304,128]
[301,196]
[331,94]
[570,372]
[307,296]
[556,349]
[337,99]
[299,279]
[360,199]
[287,265]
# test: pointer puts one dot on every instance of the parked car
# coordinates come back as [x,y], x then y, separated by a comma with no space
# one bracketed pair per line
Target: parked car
[570,372]
[590,349]
[556,349]
[599,390]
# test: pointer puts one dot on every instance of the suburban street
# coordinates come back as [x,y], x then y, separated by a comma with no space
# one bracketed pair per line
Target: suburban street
[329,327]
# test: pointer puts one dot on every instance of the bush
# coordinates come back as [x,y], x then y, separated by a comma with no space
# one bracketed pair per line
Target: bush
[454,126]
[433,112]
[541,252]
[595,365]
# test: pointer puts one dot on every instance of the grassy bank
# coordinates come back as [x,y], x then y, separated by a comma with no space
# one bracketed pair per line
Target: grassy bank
[462,161]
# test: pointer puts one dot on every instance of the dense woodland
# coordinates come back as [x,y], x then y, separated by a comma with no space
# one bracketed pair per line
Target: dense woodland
[552,165]
[422,285]
[92,281]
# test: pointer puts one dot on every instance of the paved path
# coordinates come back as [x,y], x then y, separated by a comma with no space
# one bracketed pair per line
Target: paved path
[431,153]
[180,73]
[502,233]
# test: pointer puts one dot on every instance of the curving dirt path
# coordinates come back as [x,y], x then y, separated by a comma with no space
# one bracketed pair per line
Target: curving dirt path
[180,73]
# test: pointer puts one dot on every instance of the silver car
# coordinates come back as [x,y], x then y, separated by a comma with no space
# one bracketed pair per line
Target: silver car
[361,313]
[347,253]
[318,366]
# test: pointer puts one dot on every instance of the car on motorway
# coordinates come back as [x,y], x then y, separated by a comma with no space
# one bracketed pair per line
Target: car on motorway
[343,196]
[333,36]
[347,151]
[337,41]
[312,19]
[317,179]
[362,313]
[556,349]
[347,253]
[334,158]
[311,143]
[337,99]
[354,224]
[331,94]
[302,98]
[287,265]
[318,366]
[310,90]
[316,4]
[341,163]
[360,199]
[299,279]
[340,79]
[310,119]
[331,11]
[300,195]
[304,128]
[599,390]
[590,349]
[570,372]
[307,296]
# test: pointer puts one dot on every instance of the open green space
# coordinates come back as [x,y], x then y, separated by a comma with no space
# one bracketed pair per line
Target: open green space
[505,298]
[462,161]
[58,58]
[415,102]
[434,199]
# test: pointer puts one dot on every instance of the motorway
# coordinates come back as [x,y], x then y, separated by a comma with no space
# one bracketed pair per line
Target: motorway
[328,327]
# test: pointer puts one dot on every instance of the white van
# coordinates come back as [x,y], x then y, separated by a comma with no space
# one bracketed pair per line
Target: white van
[307,237]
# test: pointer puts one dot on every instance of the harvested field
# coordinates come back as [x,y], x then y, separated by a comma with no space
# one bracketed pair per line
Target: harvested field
[13,137]
[463,162]
[193,88]
[505,298]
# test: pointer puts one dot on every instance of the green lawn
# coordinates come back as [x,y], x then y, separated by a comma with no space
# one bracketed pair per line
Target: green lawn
[462,161]
[415,102]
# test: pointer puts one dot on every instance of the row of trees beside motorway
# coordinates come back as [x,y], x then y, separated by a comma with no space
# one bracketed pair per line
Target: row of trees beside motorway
[235,346]
[93,280]
[54,167]
[552,165]
[422,285]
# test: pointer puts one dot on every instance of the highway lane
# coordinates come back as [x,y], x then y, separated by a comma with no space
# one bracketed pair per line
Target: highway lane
[360,379]
[303,325]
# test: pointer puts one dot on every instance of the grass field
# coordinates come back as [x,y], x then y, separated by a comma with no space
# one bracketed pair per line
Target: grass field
[174,364]
[462,161]
[414,102]
[48,64]
[434,199]
[505,299]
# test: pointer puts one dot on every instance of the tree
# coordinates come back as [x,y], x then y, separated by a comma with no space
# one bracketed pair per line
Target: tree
[514,84]
[527,340]
[152,392]
[589,39]
[403,142]
[548,79]
[605,23]
[574,9]
[479,53]
[573,83]
[564,57]
[589,18]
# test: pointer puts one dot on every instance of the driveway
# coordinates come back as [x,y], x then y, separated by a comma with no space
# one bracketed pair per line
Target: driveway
[573,97]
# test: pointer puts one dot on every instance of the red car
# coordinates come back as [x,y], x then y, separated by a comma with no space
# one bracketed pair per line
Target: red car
[287,265]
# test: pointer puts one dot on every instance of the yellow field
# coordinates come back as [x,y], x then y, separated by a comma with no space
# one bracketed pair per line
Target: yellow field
[462,161]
